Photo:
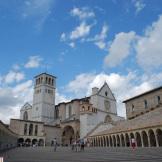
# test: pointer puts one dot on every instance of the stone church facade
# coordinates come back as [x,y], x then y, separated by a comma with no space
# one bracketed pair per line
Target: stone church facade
[68,121]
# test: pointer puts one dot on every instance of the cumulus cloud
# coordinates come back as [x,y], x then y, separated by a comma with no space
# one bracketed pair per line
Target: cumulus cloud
[63,37]
[61,98]
[100,39]
[80,31]
[120,48]
[13,76]
[72,44]
[82,13]
[12,98]
[149,46]
[33,62]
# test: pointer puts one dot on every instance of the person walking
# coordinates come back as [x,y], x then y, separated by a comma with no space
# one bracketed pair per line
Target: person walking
[133,143]
[55,144]
[82,144]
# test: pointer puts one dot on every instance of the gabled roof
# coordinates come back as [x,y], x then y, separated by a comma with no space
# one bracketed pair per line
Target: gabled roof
[105,84]
[26,106]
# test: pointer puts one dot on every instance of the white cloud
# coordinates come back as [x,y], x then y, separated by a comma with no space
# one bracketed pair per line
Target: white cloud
[63,37]
[12,98]
[61,98]
[72,44]
[79,85]
[34,62]
[37,9]
[139,5]
[80,31]
[149,46]
[119,48]
[13,76]
[100,39]
[82,13]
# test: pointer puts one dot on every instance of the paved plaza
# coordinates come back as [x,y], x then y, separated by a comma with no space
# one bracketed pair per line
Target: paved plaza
[47,154]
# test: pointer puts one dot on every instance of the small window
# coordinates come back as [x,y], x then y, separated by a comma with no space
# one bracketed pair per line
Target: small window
[83,108]
[158,98]
[146,105]
[106,93]
[36,130]
[132,108]
[46,80]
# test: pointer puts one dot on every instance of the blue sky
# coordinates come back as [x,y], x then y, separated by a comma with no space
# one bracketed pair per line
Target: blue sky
[83,43]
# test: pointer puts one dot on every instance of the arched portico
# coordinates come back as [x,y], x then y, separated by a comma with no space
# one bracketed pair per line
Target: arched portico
[122,140]
[152,138]
[41,142]
[138,139]
[145,139]
[20,141]
[68,135]
[159,136]
[34,141]
[111,143]
[114,140]
[28,142]
[117,140]
[127,140]
[107,140]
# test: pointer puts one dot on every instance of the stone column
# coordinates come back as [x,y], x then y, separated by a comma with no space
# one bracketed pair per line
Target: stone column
[142,139]
[157,143]
[148,137]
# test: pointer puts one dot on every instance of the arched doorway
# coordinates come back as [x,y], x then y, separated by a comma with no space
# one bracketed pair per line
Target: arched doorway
[117,141]
[111,144]
[101,141]
[138,139]
[34,141]
[152,138]
[122,140]
[97,141]
[68,135]
[104,139]
[114,140]
[127,140]
[107,140]
[159,136]
[20,142]
[27,142]
[145,139]
[41,142]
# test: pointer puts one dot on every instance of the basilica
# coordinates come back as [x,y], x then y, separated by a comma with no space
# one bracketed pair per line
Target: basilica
[42,121]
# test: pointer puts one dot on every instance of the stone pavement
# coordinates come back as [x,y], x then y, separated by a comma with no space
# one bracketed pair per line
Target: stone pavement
[47,154]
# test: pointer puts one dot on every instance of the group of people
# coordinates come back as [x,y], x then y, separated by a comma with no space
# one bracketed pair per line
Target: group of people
[78,145]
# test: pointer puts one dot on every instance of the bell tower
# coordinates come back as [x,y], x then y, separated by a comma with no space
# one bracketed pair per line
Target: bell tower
[44,98]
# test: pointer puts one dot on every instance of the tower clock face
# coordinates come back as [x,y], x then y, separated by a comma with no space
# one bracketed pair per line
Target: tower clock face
[107,105]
